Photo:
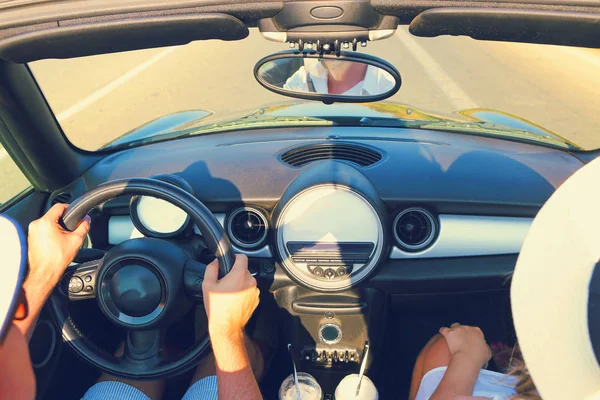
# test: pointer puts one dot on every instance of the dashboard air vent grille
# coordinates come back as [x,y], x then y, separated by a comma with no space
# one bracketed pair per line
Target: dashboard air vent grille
[414,229]
[247,227]
[303,155]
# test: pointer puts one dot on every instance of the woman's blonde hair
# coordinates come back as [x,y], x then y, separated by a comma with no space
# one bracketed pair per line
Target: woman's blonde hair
[524,387]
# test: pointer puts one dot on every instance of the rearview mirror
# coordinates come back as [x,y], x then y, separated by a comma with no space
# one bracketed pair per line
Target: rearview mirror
[350,78]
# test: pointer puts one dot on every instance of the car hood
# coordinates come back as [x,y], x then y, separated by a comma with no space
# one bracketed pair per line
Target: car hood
[406,112]
[188,121]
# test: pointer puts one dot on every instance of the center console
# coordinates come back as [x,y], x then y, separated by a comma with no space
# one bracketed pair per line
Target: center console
[328,332]
[330,235]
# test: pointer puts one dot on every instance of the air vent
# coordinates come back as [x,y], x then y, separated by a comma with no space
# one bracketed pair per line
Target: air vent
[247,227]
[64,198]
[414,229]
[359,155]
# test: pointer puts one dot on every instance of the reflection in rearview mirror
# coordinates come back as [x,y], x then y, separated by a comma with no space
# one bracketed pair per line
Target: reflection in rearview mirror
[327,76]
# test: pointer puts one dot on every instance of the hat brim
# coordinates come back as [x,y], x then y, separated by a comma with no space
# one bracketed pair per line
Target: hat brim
[550,289]
[13,251]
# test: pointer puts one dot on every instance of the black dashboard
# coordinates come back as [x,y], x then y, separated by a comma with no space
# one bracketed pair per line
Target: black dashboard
[397,208]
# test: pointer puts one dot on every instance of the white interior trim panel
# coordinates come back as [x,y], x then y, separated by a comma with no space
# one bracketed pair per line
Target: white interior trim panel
[121,228]
[469,235]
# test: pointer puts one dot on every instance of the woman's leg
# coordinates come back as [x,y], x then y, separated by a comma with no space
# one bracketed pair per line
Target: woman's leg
[433,355]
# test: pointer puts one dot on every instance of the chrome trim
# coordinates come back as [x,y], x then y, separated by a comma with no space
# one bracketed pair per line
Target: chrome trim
[238,242]
[105,297]
[426,242]
[121,228]
[263,252]
[330,325]
[470,235]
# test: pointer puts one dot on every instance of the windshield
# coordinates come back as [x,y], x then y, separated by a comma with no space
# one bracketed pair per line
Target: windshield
[518,91]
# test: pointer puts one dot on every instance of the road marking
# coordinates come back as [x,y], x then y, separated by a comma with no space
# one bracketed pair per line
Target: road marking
[583,54]
[459,99]
[103,91]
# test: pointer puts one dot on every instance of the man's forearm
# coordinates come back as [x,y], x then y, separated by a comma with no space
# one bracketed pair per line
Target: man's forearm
[37,290]
[459,380]
[234,372]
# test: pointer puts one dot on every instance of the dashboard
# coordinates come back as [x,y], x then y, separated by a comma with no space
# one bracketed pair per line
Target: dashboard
[332,207]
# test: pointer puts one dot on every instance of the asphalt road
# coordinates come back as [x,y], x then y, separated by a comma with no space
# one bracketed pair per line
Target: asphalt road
[97,99]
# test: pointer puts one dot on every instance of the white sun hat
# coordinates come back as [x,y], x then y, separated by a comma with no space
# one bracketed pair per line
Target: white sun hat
[13,261]
[555,291]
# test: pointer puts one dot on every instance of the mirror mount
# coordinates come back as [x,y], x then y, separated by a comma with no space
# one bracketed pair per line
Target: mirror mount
[328,77]
[311,24]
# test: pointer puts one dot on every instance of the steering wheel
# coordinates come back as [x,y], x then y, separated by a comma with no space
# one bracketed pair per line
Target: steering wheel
[142,285]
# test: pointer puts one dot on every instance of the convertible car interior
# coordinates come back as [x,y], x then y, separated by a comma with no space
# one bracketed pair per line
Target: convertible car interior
[368,225]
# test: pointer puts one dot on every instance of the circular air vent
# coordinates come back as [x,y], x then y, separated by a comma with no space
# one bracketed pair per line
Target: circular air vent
[415,229]
[247,227]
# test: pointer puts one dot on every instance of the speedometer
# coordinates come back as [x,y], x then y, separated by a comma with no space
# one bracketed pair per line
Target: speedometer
[159,218]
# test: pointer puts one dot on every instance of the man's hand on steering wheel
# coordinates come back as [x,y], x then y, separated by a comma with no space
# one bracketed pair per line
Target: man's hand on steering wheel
[229,304]
[51,247]
[230,301]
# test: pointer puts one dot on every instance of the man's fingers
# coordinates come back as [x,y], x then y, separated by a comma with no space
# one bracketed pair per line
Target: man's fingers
[252,281]
[211,274]
[444,330]
[56,211]
[84,227]
[455,325]
[241,263]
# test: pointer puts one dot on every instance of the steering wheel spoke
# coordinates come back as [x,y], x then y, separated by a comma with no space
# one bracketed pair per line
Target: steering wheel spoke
[143,348]
[79,280]
[193,276]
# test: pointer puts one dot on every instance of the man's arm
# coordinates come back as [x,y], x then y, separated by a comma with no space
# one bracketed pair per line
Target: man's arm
[51,249]
[229,304]
[234,371]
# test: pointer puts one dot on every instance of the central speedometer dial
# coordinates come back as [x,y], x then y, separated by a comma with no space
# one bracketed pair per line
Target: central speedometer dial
[329,237]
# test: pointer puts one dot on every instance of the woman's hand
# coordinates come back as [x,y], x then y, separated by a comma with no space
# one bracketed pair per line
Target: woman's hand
[467,342]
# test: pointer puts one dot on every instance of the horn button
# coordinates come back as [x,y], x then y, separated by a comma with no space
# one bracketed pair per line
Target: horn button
[135,290]
[140,283]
